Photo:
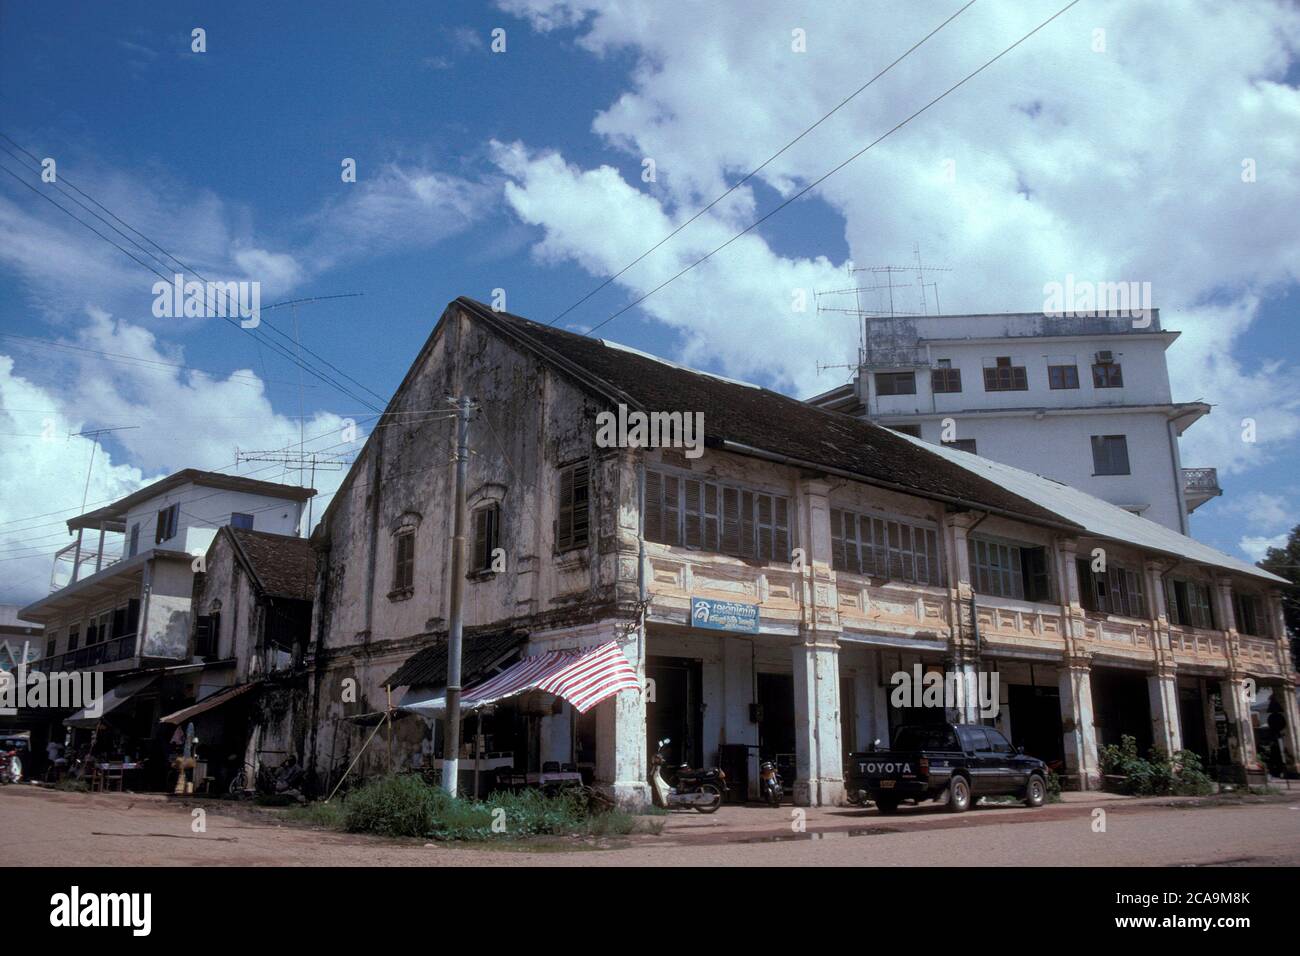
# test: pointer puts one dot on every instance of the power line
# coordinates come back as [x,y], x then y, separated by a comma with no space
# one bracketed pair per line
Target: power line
[253,332]
[759,168]
[827,175]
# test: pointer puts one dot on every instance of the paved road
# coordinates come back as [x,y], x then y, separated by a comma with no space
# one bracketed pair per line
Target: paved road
[41,827]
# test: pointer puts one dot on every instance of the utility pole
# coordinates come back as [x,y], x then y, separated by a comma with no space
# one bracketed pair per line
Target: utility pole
[451,737]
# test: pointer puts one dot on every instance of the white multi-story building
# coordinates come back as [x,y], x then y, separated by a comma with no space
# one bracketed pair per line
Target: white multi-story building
[120,597]
[1082,400]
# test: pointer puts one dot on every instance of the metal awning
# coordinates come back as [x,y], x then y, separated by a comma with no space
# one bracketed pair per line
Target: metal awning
[584,679]
[88,718]
[223,696]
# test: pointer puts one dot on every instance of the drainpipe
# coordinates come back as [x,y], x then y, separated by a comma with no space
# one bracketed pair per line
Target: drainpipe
[1180,492]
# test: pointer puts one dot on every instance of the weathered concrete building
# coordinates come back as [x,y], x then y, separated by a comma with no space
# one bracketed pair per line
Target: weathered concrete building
[768,589]
[252,608]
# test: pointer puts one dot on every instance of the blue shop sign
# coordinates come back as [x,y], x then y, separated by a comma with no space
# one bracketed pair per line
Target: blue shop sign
[724,615]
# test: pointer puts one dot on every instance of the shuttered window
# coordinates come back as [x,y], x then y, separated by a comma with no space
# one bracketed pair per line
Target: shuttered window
[487,536]
[573,516]
[404,560]
[1188,603]
[708,516]
[885,547]
[1118,590]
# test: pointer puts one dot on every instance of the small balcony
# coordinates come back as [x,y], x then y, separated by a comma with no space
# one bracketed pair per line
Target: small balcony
[1199,486]
[83,658]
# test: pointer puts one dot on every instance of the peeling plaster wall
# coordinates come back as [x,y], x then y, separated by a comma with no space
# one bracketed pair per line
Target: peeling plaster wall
[530,422]
[166,624]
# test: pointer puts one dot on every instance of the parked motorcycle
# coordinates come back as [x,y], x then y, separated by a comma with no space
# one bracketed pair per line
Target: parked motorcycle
[11,767]
[701,790]
[770,787]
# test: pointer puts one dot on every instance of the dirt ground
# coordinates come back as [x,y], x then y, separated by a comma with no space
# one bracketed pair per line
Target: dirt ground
[40,827]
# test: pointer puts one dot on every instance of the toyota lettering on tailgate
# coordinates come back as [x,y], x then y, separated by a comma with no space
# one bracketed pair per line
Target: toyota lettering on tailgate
[884,768]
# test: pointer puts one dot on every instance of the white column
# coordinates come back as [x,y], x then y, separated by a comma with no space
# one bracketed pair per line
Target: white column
[1080,732]
[621,739]
[1236,707]
[819,774]
[1162,694]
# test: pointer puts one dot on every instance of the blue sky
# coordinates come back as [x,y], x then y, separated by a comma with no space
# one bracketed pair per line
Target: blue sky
[522,170]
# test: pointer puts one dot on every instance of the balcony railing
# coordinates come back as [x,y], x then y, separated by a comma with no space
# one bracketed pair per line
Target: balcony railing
[117,649]
[1199,486]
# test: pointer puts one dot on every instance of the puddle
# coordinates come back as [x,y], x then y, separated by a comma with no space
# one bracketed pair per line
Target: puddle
[822,835]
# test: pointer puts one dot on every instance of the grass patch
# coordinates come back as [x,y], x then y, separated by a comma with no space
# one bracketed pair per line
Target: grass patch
[328,815]
[405,806]
[73,785]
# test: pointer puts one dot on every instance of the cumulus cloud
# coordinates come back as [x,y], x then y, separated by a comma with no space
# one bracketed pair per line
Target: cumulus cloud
[1097,154]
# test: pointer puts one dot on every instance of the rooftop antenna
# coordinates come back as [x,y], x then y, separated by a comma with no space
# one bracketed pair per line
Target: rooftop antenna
[298,461]
[883,283]
[93,434]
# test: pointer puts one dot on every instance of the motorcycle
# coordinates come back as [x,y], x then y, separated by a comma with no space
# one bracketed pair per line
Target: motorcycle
[11,767]
[701,790]
[769,783]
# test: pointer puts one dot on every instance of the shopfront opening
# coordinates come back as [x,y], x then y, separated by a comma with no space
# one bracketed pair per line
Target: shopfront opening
[675,710]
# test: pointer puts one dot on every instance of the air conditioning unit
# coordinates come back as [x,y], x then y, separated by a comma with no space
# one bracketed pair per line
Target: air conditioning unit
[1105,358]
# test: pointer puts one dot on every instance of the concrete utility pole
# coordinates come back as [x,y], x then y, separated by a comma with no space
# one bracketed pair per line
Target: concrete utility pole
[451,737]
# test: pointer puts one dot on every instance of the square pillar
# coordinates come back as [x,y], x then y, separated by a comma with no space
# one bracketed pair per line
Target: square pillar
[1241,735]
[557,736]
[621,766]
[1081,760]
[819,773]
[1162,695]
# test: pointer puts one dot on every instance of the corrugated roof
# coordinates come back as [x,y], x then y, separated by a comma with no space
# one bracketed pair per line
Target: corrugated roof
[760,419]
[427,667]
[1099,518]
[283,565]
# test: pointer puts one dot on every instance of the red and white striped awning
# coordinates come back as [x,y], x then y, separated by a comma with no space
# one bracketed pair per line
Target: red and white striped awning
[583,679]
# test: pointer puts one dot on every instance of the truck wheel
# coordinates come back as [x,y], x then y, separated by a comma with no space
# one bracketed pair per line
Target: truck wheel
[887,805]
[1035,791]
[958,795]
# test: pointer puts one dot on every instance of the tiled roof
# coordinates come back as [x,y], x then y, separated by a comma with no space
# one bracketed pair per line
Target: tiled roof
[284,566]
[757,418]
[427,667]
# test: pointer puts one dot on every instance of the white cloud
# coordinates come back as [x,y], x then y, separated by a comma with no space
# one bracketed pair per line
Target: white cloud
[182,419]
[1255,547]
[1121,165]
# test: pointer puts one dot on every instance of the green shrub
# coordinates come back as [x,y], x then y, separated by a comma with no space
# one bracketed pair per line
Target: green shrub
[1156,775]
[392,806]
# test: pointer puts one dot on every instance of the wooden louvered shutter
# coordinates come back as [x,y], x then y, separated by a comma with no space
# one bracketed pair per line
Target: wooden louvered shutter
[480,539]
[653,516]
[709,518]
[764,526]
[672,510]
[731,521]
[581,504]
[564,512]
[838,561]
[691,517]
[746,524]
[781,529]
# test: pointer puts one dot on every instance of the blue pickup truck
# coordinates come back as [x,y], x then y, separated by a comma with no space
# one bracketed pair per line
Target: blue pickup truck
[962,762]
